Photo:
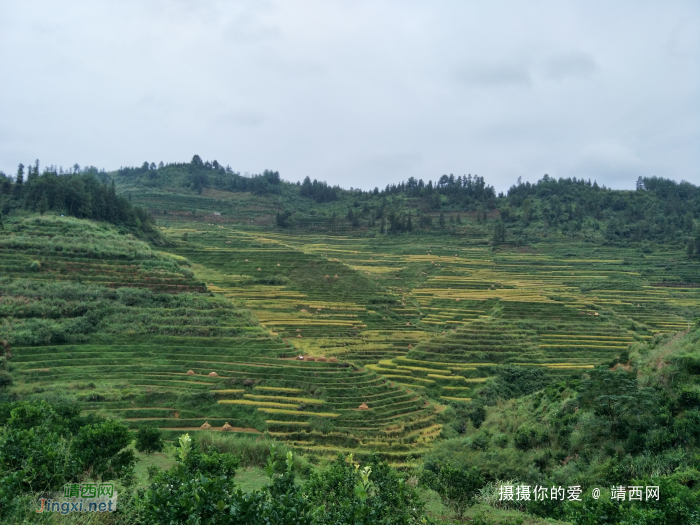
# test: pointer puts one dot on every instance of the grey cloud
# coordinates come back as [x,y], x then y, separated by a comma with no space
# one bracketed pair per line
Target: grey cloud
[369,91]
[493,75]
[243,118]
[568,65]
[392,162]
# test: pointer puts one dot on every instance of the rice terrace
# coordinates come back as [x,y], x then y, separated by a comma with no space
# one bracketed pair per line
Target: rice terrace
[412,324]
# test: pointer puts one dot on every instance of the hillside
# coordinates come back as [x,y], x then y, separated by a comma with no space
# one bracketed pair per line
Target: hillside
[480,339]
[632,421]
[553,210]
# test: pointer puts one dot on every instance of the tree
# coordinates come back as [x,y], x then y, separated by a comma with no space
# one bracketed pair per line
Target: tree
[441,221]
[284,219]
[101,450]
[612,395]
[457,487]
[149,440]
[499,232]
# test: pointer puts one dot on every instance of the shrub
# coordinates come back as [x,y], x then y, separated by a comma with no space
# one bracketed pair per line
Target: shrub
[345,493]
[529,436]
[200,488]
[34,266]
[100,450]
[149,440]
[689,398]
[457,487]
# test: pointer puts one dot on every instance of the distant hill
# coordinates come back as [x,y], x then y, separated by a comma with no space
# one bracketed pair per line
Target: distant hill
[658,210]
[79,193]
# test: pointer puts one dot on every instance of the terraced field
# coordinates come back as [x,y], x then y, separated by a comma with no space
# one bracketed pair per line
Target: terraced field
[164,352]
[210,331]
[437,317]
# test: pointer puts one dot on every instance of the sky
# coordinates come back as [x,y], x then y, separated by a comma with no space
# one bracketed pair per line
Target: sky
[360,93]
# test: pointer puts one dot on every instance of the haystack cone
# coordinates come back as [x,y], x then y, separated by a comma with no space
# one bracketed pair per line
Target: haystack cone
[205,426]
[227,427]
[246,260]
[332,359]
[298,335]
[213,374]
[278,264]
[363,406]
[190,372]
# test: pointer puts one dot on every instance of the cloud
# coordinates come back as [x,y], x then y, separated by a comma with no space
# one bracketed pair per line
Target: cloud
[241,118]
[391,162]
[610,163]
[369,91]
[494,75]
[568,65]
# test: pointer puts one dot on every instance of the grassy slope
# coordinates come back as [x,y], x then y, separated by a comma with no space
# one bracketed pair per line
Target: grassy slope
[570,443]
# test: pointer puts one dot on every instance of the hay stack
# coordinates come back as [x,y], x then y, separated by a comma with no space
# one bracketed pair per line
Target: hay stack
[190,373]
[322,359]
[332,359]
[299,336]
[408,324]
[205,426]
[410,346]
[259,269]
[246,260]
[227,428]
[298,329]
[309,358]
[458,299]
[213,374]
[278,264]
[363,406]
[326,276]
[335,276]
[303,310]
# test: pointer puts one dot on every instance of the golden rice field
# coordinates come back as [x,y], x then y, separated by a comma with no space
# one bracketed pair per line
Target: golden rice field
[430,314]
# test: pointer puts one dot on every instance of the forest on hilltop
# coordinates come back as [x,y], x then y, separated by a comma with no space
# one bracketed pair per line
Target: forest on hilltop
[657,210]
[81,193]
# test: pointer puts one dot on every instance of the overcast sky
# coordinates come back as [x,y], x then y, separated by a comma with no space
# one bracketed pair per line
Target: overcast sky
[357,93]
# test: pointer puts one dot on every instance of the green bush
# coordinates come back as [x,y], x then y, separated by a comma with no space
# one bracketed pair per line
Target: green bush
[200,489]
[458,487]
[530,436]
[100,450]
[149,440]
[376,493]
[34,266]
